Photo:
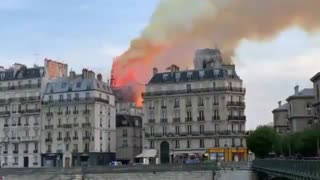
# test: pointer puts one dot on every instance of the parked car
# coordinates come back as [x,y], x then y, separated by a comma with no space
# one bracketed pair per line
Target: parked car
[115,163]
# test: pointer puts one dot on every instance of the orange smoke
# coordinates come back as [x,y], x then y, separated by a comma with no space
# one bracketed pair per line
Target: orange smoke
[178,27]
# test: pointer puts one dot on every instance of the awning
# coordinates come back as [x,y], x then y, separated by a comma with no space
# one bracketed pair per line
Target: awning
[147,153]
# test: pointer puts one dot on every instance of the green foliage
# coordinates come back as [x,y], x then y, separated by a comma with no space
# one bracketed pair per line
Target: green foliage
[262,141]
[265,140]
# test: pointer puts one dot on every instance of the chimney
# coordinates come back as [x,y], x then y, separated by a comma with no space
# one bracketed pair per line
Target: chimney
[296,90]
[84,73]
[72,74]
[155,70]
[174,68]
[279,103]
[99,77]
[91,74]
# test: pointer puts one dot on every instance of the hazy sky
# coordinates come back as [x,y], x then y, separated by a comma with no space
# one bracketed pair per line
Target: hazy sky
[89,33]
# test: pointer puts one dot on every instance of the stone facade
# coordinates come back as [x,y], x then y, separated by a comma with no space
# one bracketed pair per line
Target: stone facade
[187,112]
[129,137]
[78,125]
[316,86]
[280,118]
[20,117]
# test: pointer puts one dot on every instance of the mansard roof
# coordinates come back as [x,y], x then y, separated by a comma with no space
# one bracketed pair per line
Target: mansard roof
[22,73]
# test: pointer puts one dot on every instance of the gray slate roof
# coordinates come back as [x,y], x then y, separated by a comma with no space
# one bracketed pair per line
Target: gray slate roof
[208,75]
[283,107]
[66,84]
[22,73]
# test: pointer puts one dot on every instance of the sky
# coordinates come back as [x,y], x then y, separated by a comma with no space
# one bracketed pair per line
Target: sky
[90,33]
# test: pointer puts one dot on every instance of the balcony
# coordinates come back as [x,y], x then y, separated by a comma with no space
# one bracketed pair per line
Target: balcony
[237,118]
[75,125]
[67,112]
[215,118]
[164,120]
[25,151]
[86,138]
[86,125]
[59,138]
[26,124]
[31,111]
[151,121]
[36,124]
[49,114]
[86,112]
[236,104]
[49,151]
[75,137]
[75,151]
[26,86]
[176,106]
[199,90]
[200,119]
[151,107]
[188,119]
[189,105]
[67,126]
[215,103]
[5,125]
[163,107]
[4,139]
[35,151]
[29,138]
[48,127]
[15,151]
[200,105]
[48,140]
[176,120]
[5,152]
[67,139]
[60,113]
[75,112]
[5,113]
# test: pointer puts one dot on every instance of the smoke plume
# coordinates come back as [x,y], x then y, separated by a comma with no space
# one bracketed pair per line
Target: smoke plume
[178,27]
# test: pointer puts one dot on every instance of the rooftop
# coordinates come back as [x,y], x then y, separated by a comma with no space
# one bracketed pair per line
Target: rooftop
[193,75]
[21,72]
[304,93]
[283,107]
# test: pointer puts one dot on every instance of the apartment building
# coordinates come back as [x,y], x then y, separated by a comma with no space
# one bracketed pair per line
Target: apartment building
[78,127]
[20,107]
[280,118]
[129,137]
[316,86]
[187,112]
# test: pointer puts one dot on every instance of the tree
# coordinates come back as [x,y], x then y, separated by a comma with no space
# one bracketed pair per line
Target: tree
[263,141]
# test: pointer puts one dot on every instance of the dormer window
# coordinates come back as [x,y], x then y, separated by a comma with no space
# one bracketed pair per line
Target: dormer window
[63,85]
[189,75]
[178,76]
[165,77]
[216,72]
[201,74]
[78,84]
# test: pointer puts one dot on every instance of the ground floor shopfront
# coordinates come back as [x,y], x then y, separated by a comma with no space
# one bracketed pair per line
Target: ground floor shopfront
[227,154]
[77,159]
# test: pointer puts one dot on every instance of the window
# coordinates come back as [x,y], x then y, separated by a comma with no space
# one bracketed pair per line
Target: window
[177,144]
[151,144]
[75,133]
[16,147]
[214,85]
[200,101]
[124,143]
[215,100]
[69,97]
[177,129]
[75,147]
[189,129]
[67,147]
[63,85]
[59,122]
[100,122]
[176,103]
[76,96]
[60,134]
[35,146]
[100,147]
[151,130]
[6,160]
[78,84]
[27,132]
[188,102]
[26,147]
[201,129]
[49,135]
[163,103]
[16,160]
[49,148]
[124,133]
[230,85]
[86,147]
[188,88]
[189,116]
[216,114]
[87,95]
[164,130]
[188,143]
[201,116]
[61,98]
[108,123]
[201,143]
[318,92]
[50,98]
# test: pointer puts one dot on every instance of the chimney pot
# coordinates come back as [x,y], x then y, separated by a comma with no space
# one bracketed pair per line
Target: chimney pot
[279,103]
[72,74]
[155,71]
[99,77]
[296,90]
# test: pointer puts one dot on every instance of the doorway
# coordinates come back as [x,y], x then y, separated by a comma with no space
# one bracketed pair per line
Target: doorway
[67,162]
[25,161]
[164,152]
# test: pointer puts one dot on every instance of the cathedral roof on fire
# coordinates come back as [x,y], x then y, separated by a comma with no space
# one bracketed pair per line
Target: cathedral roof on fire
[193,75]
[67,84]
